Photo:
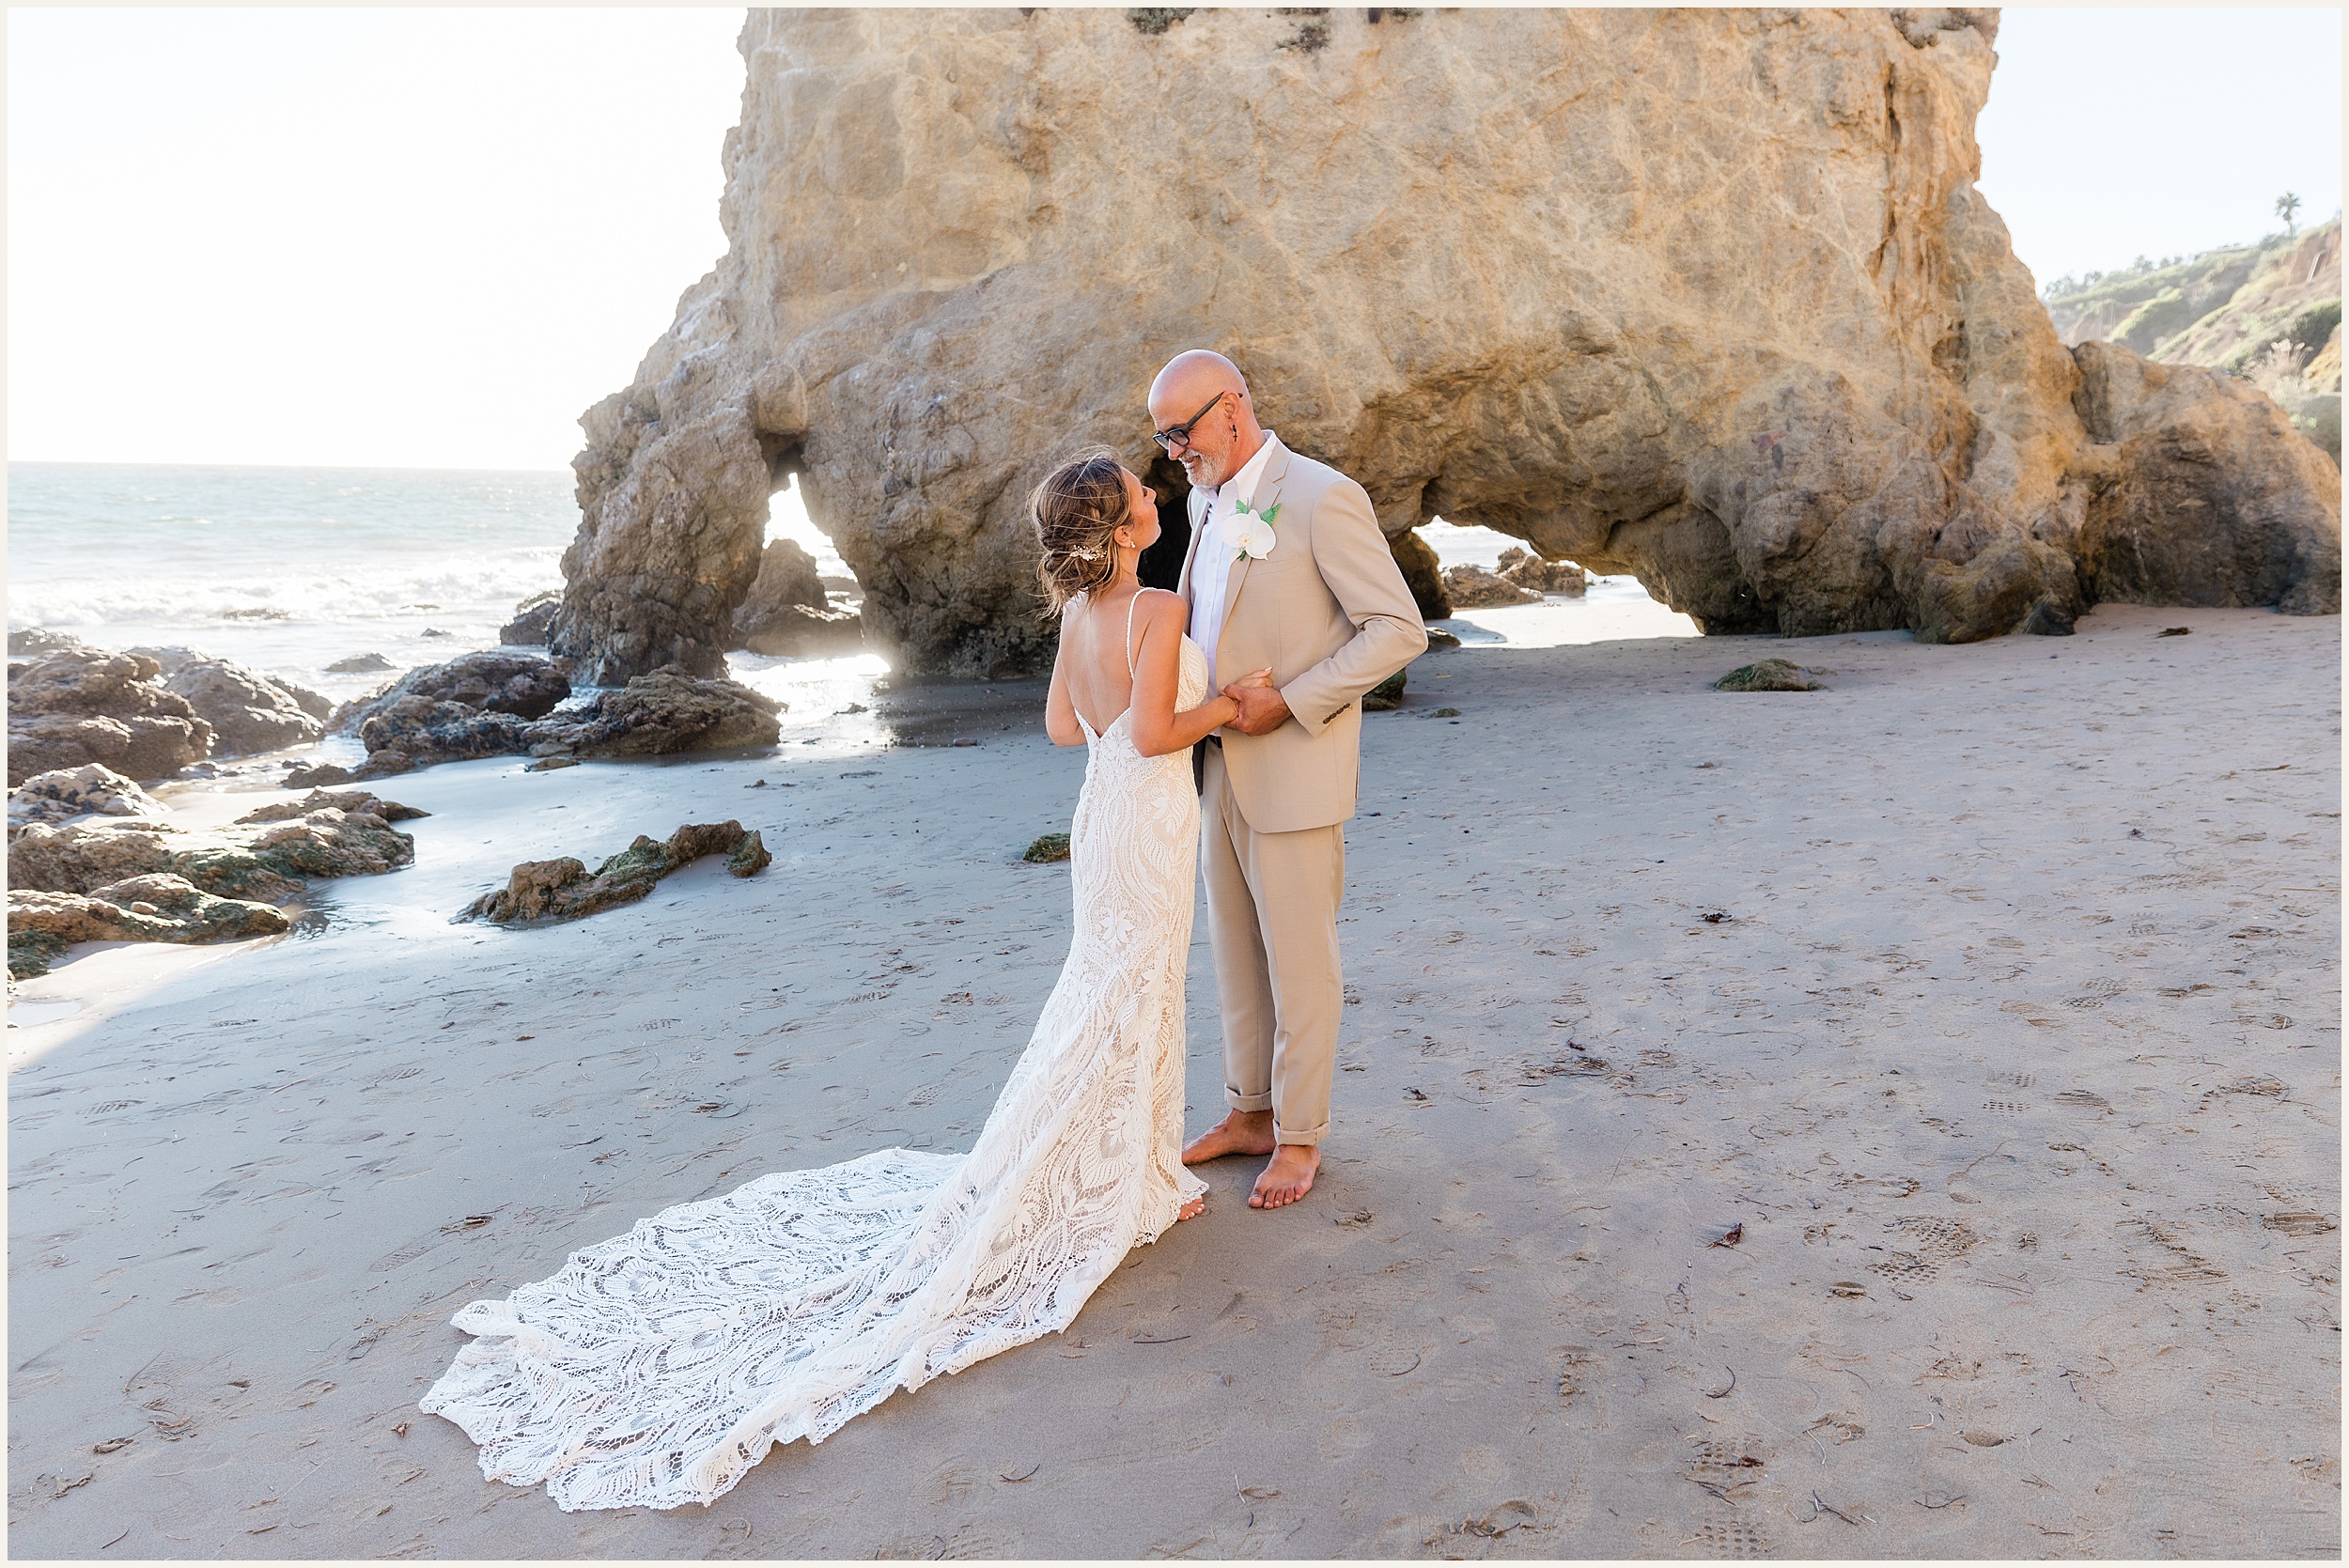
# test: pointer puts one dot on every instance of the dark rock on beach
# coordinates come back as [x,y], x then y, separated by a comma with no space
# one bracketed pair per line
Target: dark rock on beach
[525,685]
[416,731]
[1474,588]
[665,711]
[528,628]
[248,712]
[790,611]
[1528,570]
[566,890]
[74,706]
[497,705]
[360,664]
[1047,849]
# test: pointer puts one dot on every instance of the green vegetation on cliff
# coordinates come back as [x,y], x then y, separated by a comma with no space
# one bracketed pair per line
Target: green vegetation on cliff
[2268,314]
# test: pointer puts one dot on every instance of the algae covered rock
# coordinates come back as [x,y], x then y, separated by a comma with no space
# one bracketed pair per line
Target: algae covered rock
[1047,849]
[262,859]
[156,907]
[1387,695]
[565,889]
[1770,675]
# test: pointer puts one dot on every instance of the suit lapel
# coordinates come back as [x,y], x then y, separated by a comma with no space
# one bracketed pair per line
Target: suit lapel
[1276,468]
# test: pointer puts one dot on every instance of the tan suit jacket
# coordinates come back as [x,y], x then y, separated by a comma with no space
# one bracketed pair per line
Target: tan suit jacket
[1329,611]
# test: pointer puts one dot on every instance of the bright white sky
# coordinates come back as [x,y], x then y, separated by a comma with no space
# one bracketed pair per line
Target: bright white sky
[2116,134]
[430,238]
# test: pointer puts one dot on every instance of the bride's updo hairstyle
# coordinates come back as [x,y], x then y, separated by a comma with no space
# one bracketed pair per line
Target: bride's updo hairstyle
[1077,509]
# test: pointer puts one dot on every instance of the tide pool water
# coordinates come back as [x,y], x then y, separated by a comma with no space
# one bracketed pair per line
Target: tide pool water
[290,570]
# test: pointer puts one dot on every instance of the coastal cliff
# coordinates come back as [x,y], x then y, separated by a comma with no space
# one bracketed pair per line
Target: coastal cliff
[2267,314]
[1708,297]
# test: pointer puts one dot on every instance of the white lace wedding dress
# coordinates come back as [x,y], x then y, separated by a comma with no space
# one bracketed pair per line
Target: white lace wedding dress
[657,1368]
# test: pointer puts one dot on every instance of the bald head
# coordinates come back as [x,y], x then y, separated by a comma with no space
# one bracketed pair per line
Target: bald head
[1196,374]
[1225,434]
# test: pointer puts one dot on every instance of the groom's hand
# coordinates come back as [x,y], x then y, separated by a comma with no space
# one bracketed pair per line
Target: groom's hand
[1262,708]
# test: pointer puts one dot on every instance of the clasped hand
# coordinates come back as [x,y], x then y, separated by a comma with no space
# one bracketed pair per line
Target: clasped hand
[1262,708]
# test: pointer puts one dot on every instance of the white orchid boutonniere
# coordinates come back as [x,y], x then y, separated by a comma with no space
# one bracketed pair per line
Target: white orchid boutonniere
[1250,530]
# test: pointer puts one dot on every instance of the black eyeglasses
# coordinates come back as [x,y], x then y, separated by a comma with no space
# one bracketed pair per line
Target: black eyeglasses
[1180,435]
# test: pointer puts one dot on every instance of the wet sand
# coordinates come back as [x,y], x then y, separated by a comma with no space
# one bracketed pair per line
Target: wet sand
[2014,1051]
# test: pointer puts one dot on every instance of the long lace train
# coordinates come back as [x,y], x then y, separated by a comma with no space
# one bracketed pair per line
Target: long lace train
[657,1368]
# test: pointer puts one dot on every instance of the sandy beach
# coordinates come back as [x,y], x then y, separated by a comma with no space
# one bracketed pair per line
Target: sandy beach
[1993,992]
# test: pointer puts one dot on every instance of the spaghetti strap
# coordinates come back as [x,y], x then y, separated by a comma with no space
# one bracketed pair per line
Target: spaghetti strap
[1129,632]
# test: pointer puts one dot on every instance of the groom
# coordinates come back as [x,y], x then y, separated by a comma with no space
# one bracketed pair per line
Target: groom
[1287,569]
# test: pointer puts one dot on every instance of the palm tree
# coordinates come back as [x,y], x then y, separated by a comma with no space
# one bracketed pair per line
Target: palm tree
[2287,204]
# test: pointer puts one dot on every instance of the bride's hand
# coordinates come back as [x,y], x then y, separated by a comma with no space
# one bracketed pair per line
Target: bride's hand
[1261,677]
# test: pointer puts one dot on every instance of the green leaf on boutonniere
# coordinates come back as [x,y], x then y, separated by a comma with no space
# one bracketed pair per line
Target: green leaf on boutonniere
[1272,512]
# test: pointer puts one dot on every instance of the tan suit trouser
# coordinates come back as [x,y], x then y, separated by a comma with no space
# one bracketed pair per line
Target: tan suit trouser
[1272,922]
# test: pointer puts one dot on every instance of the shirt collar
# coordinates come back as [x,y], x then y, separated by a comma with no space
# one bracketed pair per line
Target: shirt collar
[1242,484]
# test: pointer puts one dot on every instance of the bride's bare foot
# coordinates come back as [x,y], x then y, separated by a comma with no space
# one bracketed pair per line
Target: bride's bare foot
[1289,1178]
[1240,1132]
[1191,1210]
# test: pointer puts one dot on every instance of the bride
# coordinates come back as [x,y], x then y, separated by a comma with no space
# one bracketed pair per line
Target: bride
[657,1368]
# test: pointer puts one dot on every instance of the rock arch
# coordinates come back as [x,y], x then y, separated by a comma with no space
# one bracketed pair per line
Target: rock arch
[1708,297]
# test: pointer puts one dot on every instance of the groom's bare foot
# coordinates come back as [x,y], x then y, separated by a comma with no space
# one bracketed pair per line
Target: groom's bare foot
[1191,1210]
[1289,1178]
[1240,1132]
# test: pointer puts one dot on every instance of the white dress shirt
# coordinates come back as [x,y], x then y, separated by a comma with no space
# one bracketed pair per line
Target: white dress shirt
[1211,569]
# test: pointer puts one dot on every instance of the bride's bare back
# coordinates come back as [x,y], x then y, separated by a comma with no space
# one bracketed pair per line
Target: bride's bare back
[1099,647]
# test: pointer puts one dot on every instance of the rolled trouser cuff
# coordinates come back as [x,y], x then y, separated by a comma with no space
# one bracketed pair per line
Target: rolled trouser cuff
[1309,1135]
[1239,1101]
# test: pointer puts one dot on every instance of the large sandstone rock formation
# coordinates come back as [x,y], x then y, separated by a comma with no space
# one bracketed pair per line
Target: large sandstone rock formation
[1709,297]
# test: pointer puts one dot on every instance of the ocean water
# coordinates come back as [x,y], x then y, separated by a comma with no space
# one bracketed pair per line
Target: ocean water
[284,569]
[292,569]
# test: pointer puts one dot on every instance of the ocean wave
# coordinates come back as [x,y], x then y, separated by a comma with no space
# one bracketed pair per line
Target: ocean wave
[475,588]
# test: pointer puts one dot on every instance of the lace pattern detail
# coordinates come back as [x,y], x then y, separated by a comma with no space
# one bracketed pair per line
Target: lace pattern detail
[657,1368]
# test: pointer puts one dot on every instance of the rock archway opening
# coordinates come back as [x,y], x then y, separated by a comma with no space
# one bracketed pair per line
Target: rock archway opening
[806,600]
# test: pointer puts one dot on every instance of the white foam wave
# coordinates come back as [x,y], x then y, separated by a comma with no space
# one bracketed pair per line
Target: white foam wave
[481,587]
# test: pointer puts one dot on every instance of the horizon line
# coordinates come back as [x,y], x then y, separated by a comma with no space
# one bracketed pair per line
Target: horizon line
[304,468]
